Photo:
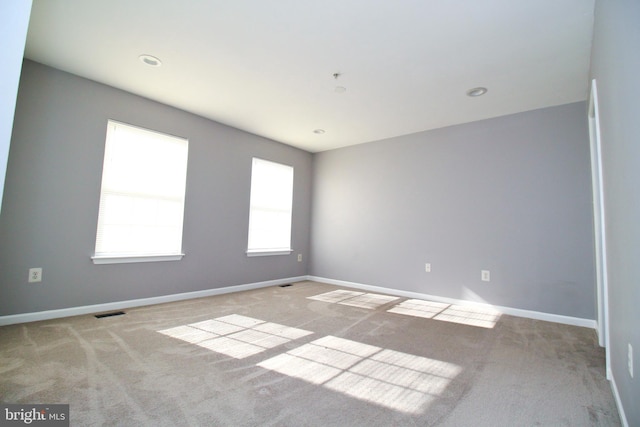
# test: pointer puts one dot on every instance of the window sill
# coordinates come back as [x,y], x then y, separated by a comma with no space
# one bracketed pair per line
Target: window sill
[105,259]
[266,252]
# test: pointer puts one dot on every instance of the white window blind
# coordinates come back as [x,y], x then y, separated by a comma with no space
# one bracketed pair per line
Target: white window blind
[270,208]
[142,196]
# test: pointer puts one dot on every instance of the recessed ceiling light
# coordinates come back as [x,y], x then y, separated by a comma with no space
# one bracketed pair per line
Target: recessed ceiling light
[319,131]
[340,89]
[477,91]
[152,61]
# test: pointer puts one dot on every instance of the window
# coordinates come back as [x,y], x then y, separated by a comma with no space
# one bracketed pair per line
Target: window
[270,208]
[142,196]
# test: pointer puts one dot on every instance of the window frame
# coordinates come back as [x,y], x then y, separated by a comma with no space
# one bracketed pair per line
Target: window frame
[264,251]
[139,255]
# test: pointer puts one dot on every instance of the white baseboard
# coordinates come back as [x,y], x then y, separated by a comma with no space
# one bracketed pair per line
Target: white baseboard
[97,308]
[557,318]
[616,396]
[119,305]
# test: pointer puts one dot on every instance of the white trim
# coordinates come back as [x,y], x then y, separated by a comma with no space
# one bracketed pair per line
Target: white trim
[557,318]
[88,309]
[599,225]
[616,396]
[267,252]
[97,259]
[97,308]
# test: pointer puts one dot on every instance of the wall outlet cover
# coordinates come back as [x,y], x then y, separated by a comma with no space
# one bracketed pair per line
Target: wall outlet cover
[35,275]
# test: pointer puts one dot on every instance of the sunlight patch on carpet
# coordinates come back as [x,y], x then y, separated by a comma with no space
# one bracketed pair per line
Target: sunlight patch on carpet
[395,380]
[336,296]
[235,335]
[354,299]
[484,317]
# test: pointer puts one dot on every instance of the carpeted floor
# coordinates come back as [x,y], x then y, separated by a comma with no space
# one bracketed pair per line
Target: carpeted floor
[309,355]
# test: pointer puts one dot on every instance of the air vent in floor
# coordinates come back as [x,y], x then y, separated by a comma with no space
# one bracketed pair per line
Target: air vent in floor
[113,313]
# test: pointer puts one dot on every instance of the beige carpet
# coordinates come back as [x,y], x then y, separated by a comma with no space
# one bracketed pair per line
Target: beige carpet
[309,355]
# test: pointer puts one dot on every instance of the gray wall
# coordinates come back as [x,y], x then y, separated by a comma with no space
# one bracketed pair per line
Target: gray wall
[52,191]
[615,64]
[511,195]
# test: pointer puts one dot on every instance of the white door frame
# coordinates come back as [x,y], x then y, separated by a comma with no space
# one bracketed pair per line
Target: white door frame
[599,224]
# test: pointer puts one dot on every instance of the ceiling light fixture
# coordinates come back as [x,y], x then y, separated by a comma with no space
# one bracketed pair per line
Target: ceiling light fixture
[150,60]
[319,131]
[340,89]
[477,91]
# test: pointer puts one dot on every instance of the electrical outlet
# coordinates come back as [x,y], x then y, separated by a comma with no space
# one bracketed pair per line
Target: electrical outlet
[427,267]
[299,257]
[485,275]
[630,359]
[35,275]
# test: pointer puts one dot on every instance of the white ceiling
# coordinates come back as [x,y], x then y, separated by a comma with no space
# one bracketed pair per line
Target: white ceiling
[266,66]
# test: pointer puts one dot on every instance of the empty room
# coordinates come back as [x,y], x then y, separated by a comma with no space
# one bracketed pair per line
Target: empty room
[305,213]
